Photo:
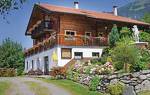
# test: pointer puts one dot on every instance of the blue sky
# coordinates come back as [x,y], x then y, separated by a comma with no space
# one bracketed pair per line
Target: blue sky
[18,20]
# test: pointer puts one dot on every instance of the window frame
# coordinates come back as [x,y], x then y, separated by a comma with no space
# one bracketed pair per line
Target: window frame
[78,52]
[70,50]
[96,54]
[70,32]
[87,35]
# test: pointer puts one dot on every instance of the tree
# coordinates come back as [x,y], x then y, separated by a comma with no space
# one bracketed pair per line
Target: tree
[11,55]
[146,17]
[125,53]
[7,5]
[125,32]
[113,36]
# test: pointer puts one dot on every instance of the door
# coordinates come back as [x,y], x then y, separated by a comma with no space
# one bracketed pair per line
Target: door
[46,65]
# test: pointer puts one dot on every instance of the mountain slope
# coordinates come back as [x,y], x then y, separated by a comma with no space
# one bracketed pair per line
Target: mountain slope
[135,9]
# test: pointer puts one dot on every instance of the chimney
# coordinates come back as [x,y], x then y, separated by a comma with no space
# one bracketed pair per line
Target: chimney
[76,5]
[115,10]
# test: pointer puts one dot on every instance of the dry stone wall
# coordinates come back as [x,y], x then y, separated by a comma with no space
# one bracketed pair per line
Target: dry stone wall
[134,82]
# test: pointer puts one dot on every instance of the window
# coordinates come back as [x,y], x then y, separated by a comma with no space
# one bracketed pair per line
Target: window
[87,33]
[32,64]
[78,55]
[95,54]
[38,63]
[66,53]
[27,65]
[70,33]
[48,24]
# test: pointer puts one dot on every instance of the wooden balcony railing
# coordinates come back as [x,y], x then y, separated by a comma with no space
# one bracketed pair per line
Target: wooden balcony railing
[43,27]
[82,40]
[64,40]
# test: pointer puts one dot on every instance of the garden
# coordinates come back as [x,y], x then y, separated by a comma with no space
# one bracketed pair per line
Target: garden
[122,69]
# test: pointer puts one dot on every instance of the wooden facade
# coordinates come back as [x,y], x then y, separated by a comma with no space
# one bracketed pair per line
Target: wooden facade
[48,29]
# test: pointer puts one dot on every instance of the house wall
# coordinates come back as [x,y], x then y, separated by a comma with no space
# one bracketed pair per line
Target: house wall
[81,25]
[41,56]
[87,53]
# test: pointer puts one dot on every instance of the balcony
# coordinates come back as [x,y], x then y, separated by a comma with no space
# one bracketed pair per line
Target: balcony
[64,40]
[42,27]
[82,40]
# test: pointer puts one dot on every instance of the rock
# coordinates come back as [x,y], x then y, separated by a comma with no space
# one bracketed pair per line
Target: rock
[148,75]
[99,88]
[129,90]
[113,81]
[134,79]
[112,77]
[145,85]
[145,72]
[133,83]
[126,81]
[125,78]
[136,74]
[142,77]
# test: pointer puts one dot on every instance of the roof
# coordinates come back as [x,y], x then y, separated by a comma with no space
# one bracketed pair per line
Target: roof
[92,14]
[87,13]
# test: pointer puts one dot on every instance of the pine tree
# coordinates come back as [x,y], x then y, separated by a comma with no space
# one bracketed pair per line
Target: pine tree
[113,36]
[11,55]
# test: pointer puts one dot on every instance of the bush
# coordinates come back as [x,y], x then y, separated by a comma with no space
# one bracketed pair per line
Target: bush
[88,69]
[7,72]
[144,36]
[58,72]
[96,62]
[105,55]
[125,32]
[115,89]
[94,82]
[75,76]
[69,74]
[125,53]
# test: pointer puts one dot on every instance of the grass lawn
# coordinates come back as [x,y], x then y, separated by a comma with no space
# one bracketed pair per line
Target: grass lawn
[37,88]
[144,93]
[74,88]
[4,86]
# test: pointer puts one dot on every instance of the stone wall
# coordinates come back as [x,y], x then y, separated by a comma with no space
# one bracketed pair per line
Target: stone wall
[134,82]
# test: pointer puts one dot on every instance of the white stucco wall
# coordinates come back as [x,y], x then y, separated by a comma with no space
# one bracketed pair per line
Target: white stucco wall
[41,56]
[87,52]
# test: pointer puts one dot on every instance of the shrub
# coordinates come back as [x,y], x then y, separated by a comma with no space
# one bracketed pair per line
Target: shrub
[94,82]
[96,61]
[144,36]
[69,74]
[105,55]
[125,53]
[115,89]
[87,69]
[75,76]
[125,32]
[58,72]
[7,72]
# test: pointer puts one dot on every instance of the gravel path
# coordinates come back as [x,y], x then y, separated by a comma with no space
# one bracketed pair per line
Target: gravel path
[20,88]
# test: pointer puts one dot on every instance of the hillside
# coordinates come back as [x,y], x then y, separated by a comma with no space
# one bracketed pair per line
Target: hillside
[135,9]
